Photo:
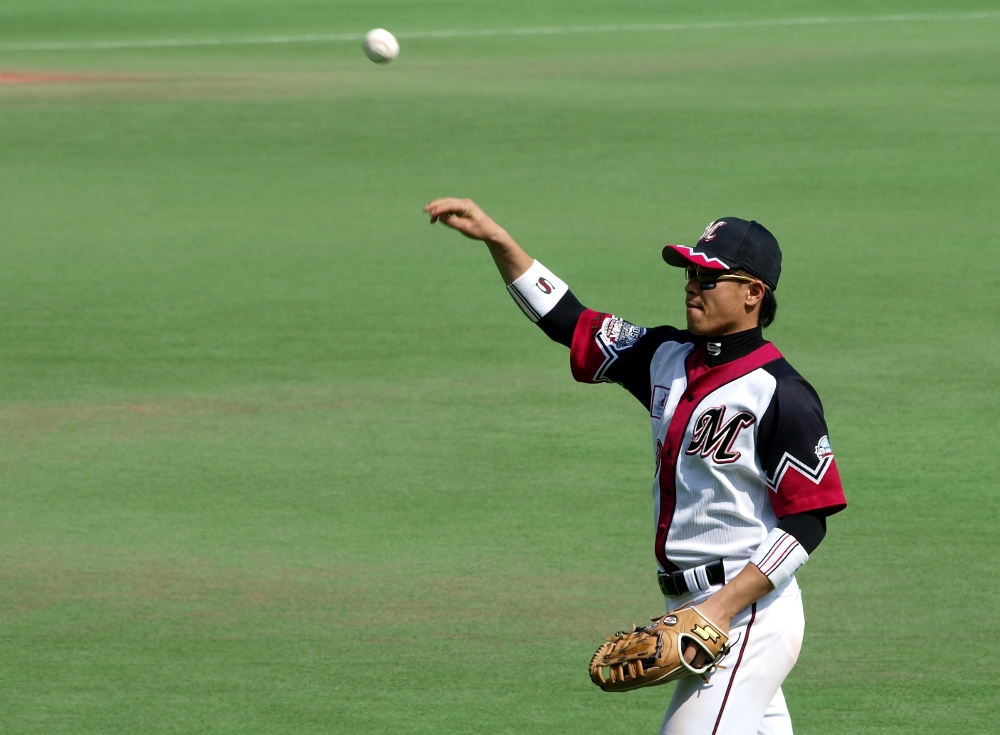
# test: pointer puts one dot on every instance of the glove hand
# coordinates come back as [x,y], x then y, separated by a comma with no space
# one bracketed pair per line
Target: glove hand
[722,619]
[651,655]
[745,589]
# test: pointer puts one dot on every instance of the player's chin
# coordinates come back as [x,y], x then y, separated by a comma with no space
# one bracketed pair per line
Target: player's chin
[695,320]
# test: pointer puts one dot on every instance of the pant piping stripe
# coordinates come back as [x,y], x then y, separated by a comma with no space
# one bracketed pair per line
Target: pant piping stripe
[732,678]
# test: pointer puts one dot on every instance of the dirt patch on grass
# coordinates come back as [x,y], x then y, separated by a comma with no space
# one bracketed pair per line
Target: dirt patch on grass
[236,78]
[22,77]
[11,77]
[26,421]
[27,85]
[114,587]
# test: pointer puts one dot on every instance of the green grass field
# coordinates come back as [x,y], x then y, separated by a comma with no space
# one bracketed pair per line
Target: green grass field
[277,457]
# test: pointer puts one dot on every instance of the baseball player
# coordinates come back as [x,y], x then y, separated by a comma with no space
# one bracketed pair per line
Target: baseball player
[745,476]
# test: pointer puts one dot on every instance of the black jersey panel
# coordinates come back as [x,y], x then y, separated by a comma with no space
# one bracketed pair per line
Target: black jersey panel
[793,422]
[632,368]
[794,447]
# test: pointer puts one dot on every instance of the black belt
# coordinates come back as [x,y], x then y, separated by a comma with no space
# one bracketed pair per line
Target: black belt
[673,584]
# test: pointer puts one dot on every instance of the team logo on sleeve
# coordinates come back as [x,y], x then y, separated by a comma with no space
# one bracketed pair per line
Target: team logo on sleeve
[823,449]
[620,334]
[714,437]
[611,338]
[544,286]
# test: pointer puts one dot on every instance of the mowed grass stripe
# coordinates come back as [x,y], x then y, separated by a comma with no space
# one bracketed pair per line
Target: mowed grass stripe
[487,32]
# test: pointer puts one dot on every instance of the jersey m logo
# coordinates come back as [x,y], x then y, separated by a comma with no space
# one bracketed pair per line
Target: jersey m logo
[712,437]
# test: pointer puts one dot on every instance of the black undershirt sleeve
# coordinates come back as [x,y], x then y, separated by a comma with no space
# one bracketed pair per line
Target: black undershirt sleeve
[807,528]
[560,323]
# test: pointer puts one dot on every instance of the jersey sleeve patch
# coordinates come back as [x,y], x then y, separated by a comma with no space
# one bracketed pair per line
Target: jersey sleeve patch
[798,487]
[598,342]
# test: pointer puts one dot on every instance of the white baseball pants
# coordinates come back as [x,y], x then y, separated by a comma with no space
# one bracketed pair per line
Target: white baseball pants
[745,697]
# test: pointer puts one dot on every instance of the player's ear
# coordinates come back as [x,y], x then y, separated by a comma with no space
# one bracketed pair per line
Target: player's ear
[755,294]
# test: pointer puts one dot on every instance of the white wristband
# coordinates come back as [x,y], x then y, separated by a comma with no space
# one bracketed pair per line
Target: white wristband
[779,557]
[537,291]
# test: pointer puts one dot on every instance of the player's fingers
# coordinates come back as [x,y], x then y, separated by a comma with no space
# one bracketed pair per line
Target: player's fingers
[450,205]
[459,214]
[435,209]
[694,655]
[447,204]
[689,652]
[455,221]
[434,203]
[442,215]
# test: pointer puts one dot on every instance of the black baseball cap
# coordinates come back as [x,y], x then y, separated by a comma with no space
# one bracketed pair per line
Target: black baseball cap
[731,243]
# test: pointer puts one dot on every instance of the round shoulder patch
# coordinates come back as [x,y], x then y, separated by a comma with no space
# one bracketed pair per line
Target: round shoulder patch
[620,334]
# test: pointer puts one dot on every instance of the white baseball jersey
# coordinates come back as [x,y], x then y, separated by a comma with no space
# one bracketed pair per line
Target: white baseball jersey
[740,443]
[737,446]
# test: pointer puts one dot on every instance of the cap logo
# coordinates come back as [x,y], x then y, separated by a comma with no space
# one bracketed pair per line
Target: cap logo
[709,234]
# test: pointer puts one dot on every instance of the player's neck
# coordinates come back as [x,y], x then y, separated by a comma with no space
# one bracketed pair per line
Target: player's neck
[731,347]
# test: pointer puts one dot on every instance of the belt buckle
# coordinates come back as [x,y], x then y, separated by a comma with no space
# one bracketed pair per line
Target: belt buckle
[716,572]
[667,585]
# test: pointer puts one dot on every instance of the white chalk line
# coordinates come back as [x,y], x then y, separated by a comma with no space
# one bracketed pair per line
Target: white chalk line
[487,32]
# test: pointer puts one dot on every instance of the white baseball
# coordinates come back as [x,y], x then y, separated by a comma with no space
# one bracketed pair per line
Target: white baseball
[381,46]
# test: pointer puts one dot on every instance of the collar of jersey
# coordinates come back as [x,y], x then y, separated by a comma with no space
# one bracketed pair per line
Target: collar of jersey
[721,350]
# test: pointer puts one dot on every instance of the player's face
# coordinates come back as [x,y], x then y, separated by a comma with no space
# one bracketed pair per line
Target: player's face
[726,307]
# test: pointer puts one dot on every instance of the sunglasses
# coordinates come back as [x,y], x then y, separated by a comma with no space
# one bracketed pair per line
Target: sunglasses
[707,278]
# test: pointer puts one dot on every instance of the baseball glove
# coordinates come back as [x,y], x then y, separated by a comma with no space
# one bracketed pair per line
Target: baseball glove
[655,654]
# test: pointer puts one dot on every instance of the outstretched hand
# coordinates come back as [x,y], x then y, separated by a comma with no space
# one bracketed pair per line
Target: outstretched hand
[465,216]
